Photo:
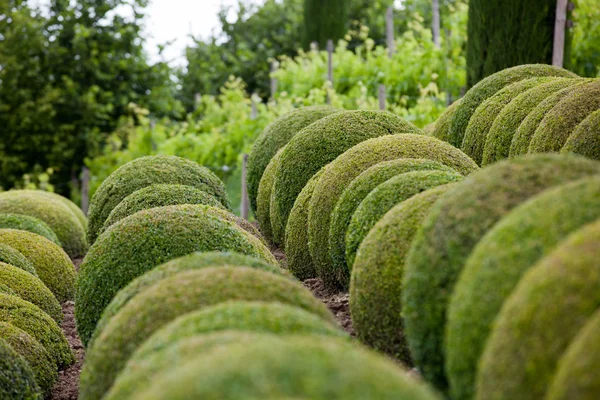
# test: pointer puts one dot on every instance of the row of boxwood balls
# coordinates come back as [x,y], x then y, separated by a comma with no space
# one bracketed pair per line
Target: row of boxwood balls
[433,249]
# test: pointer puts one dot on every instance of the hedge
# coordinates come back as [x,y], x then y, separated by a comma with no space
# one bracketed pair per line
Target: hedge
[263,198]
[17,380]
[14,257]
[27,223]
[442,125]
[585,139]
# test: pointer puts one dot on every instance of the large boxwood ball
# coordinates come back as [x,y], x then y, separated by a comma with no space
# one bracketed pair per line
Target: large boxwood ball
[263,198]
[585,139]
[341,172]
[526,344]
[52,265]
[442,125]
[149,238]
[17,380]
[498,262]
[319,144]
[71,206]
[57,215]
[14,257]
[276,136]
[376,284]
[28,223]
[146,171]
[173,297]
[455,225]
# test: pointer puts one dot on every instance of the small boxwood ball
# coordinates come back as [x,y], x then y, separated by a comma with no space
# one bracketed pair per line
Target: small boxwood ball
[442,125]
[263,198]
[71,206]
[385,196]
[341,172]
[525,346]
[17,380]
[498,262]
[319,144]
[585,139]
[39,325]
[457,222]
[158,196]
[172,297]
[145,240]
[34,353]
[275,137]
[186,263]
[298,367]
[12,256]
[57,215]
[376,284]
[52,265]
[146,171]
[489,87]
[28,223]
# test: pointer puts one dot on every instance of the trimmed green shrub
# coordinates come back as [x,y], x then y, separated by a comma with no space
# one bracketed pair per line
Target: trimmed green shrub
[319,144]
[52,265]
[158,196]
[528,338]
[4,289]
[34,353]
[39,325]
[585,139]
[429,128]
[27,223]
[561,121]
[376,283]
[497,263]
[341,172]
[385,196]
[53,212]
[146,239]
[14,257]
[17,380]
[291,368]
[146,171]
[276,136]
[71,206]
[186,263]
[31,289]
[456,223]
[172,297]
[277,229]
[504,128]
[442,125]
[263,198]
[489,87]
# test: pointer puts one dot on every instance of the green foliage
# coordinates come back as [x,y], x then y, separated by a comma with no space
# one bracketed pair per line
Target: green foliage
[263,199]
[584,139]
[72,206]
[443,123]
[324,20]
[17,380]
[14,257]
[28,223]
[586,46]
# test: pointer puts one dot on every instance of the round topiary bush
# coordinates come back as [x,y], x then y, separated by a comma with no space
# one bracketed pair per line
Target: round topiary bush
[319,144]
[341,172]
[146,239]
[17,380]
[53,212]
[146,171]
[5,289]
[27,223]
[39,325]
[497,263]
[376,284]
[585,139]
[488,87]
[526,344]
[33,353]
[71,206]
[295,367]
[52,265]
[31,289]
[158,196]
[442,125]
[263,198]
[385,196]
[14,257]
[186,263]
[456,223]
[173,297]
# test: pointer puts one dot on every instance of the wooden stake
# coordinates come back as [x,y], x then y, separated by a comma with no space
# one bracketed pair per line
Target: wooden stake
[244,209]
[382,97]
[558,53]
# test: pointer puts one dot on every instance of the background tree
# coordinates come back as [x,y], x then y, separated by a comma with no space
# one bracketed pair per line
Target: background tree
[324,20]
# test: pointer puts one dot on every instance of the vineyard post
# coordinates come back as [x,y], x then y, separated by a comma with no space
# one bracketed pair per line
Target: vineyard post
[254,111]
[560,25]
[389,25]
[85,189]
[273,80]
[244,209]
[382,97]
[329,67]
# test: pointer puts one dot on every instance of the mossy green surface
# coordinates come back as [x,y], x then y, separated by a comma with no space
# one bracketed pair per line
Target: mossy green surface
[489,87]
[341,172]
[442,125]
[526,344]
[5,289]
[53,212]
[34,354]
[172,297]
[319,144]
[585,139]
[71,206]
[263,197]
[146,171]
[384,197]
[31,289]
[450,232]
[14,257]
[376,283]
[291,368]
[497,264]
[276,136]
[158,196]
[28,223]
[17,380]
[39,325]
[186,263]
[146,239]
[52,265]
